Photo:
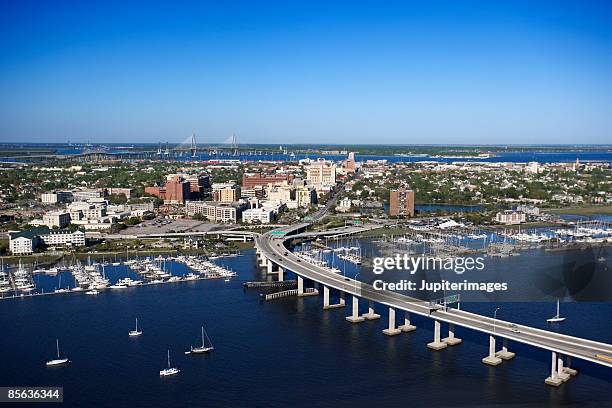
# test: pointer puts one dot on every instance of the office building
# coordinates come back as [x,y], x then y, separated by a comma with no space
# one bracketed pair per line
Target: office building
[401,203]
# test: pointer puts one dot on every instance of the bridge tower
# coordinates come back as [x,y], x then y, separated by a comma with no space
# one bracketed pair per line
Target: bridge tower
[167,151]
[159,149]
[193,148]
[234,145]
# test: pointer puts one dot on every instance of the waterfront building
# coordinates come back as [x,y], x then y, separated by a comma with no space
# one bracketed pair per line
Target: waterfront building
[528,209]
[216,211]
[64,238]
[401,203]
[510,217]
[25,242]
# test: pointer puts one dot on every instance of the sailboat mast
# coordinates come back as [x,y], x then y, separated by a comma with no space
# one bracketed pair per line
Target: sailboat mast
[57,345]
[202,336]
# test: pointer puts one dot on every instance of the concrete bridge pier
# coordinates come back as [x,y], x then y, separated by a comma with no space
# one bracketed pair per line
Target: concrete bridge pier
[407,327]
[270,266]
[437,344]
[281,274]
[370,315]
[504,354]
[492,359]
[263,262]
[354,317]
[300,285]
[392,330]
[451,340]
[567,368]
[326,304]
[554,379]
[561,374]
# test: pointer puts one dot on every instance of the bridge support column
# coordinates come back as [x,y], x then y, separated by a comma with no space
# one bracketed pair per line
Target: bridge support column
[553,380]
[451,340]
[281,274]
[437,344]
[567,368]
[370,315]
[264,261]
[492,359]
[325,297]
[354,317]
[561,374]
[327,305]
[392,330]
[504,354]
[270,266]
[300,285]
[407,327]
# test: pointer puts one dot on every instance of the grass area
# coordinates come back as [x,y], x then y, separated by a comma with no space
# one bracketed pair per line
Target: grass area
[586,210]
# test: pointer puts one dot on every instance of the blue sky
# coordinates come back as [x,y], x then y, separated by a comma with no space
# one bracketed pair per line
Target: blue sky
[288,72]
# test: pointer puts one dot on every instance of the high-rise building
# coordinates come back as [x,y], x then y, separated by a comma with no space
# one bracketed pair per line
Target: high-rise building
[250,181]
[177,190]
[321,172]
[226,192]
[401,203]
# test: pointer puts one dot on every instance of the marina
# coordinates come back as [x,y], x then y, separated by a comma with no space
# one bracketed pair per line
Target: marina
[94,278]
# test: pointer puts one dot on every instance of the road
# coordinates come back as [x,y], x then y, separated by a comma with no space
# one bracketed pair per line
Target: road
[273,248]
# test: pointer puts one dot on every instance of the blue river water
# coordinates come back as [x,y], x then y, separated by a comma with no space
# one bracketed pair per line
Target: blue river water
[281,353]
[512,155]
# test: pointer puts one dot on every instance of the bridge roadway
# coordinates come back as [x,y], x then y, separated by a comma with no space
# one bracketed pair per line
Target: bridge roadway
[273,249]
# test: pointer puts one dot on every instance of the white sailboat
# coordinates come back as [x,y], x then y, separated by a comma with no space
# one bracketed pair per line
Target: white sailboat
[170,370]
[204,348]
[556,318]
[58,360]
[135,332]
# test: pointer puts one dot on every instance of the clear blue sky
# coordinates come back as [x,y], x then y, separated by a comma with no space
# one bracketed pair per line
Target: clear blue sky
[289,72]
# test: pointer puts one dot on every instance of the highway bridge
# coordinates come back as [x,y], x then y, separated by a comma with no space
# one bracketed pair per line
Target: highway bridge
[273,254]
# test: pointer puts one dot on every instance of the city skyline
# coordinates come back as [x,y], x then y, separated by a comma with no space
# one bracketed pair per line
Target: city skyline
[445,73]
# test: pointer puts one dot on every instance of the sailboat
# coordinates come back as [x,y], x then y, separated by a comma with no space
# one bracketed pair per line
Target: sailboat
[170,370]
[58,360]
[135,332]
[556,318]
[203,348]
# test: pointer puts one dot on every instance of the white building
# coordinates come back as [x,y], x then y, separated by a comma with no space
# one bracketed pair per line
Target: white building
[216,211]
[64,238]
[58,219]
[510,217]
[261,215]
[56,197]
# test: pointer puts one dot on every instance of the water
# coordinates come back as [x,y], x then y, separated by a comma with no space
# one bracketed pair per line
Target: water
[280,353]
[603,155]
